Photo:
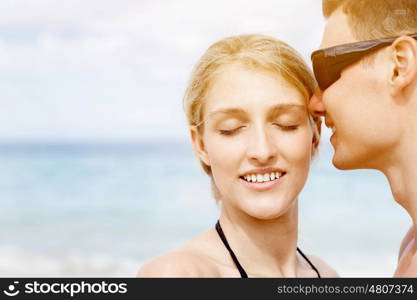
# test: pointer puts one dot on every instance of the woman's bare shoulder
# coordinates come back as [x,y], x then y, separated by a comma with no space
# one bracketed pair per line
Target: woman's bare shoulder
[324,269]
[191,260]
[178,263]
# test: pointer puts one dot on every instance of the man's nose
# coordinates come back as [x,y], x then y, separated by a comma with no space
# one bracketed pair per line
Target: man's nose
[316,106]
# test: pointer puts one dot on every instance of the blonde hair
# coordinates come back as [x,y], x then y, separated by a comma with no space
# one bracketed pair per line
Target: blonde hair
[374,19]
[254,51]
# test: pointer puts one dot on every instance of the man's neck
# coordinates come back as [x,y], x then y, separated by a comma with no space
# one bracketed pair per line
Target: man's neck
[402,176]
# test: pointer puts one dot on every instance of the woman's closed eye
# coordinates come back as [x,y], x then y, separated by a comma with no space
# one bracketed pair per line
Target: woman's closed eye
[286,127]
[288,122]
[230,132]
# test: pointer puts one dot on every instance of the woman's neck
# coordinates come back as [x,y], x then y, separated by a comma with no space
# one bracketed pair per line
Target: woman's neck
[265,246]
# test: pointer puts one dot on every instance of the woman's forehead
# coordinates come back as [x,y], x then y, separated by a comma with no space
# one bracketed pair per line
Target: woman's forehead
[241,87]
[265,104]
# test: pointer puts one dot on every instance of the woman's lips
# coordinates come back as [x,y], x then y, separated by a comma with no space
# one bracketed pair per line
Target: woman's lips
[262,186]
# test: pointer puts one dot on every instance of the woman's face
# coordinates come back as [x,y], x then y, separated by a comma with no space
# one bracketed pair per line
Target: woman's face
[257,139]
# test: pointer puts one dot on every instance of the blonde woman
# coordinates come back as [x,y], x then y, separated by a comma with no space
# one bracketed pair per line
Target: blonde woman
[246,105]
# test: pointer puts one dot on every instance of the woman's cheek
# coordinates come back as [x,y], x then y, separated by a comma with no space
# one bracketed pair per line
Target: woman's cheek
[297,148]
[222,148]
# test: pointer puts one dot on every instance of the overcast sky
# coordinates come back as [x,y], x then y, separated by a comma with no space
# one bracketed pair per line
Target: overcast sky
[116,69]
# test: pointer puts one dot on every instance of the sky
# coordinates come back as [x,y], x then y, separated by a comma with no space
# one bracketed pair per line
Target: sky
[116,70]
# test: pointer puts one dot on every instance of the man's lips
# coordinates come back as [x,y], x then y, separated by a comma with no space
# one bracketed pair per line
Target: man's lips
[330,125]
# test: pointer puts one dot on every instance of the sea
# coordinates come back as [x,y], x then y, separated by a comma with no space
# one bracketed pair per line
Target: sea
[103,209]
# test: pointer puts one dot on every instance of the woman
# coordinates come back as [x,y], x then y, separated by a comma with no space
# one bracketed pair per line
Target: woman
[246,104]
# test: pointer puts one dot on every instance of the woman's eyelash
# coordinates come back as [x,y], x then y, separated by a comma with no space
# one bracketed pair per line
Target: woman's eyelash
[287,128]
[282,127]
[229,132]
[226,132]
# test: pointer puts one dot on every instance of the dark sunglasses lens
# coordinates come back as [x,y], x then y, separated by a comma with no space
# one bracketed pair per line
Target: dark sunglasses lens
[320,72]
[326,73]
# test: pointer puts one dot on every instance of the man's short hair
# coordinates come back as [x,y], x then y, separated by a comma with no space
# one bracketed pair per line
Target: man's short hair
[374,19]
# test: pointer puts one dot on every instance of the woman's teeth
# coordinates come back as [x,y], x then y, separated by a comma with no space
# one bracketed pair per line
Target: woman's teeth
[263,177]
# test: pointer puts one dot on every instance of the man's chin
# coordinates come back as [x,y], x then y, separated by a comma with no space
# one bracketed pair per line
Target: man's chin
[342,162]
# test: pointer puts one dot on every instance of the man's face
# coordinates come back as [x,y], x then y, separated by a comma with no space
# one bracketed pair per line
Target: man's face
[357,107]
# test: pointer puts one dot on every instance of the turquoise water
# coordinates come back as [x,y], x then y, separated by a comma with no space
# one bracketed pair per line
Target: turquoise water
[103,209]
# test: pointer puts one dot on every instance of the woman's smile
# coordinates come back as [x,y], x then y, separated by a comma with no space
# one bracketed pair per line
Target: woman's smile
[262,179]
[262,182]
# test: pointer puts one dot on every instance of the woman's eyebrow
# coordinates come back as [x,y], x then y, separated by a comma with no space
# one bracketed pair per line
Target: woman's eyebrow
[284,108]
[275,109]
[228,111]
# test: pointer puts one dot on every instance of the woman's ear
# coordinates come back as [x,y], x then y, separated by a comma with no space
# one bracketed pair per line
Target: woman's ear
[404,59]
[198,145]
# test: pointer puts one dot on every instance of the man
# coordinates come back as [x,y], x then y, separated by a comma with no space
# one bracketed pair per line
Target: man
[368,96]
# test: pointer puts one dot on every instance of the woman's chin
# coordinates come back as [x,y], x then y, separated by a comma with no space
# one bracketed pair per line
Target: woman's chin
[267,210]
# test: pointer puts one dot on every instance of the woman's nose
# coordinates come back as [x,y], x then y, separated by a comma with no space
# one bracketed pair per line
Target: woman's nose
[261,147]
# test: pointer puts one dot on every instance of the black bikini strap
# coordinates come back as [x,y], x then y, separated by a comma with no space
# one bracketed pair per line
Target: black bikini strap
[238,265]
[309,262]
[226,244]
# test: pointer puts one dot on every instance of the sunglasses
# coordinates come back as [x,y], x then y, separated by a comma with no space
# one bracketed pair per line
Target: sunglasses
[328,63]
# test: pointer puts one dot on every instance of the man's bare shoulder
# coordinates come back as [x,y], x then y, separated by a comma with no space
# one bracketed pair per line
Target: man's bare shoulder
[407,257]
[324,269]
[408,238]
